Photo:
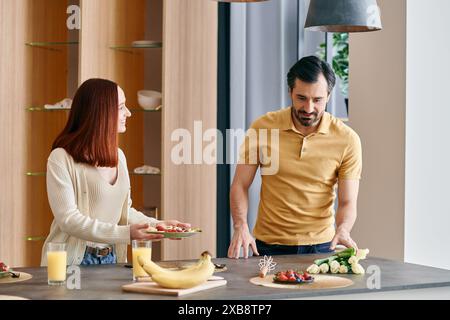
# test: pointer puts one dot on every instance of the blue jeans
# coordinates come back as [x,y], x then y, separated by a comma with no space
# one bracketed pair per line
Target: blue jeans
[278,249]
[90,259]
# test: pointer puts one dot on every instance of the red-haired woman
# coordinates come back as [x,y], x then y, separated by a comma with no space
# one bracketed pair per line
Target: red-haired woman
[88,184]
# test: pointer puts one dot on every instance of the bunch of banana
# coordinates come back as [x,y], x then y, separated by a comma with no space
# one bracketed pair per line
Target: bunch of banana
[180,279]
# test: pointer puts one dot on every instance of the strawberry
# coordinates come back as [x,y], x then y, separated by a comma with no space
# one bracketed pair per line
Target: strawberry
[306,276]
[3,267]
[282,277]
[299,276]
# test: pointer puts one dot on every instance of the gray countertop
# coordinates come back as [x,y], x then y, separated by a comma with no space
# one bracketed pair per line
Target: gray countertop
[104,282]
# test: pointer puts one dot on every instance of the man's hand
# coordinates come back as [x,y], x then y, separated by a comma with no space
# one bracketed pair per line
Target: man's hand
[342,237]
[346,213]
[241,238]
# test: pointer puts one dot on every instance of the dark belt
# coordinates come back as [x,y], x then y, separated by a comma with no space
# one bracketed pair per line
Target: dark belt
[102,252]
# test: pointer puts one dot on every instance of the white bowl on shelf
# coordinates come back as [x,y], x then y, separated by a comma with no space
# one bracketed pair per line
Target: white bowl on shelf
[149,99]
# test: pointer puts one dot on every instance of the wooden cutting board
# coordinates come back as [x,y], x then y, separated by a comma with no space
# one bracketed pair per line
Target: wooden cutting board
[154,288]
[12,298]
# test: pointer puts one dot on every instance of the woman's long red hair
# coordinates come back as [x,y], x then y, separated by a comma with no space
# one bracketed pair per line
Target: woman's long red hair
[90,135]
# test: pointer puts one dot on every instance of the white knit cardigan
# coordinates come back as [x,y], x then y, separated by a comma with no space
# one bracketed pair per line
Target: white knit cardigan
[68,196]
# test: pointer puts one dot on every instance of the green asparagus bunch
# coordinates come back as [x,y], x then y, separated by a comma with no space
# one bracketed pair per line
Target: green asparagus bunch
[346,261]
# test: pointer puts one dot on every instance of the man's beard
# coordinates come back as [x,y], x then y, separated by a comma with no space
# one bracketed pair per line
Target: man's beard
[307,119]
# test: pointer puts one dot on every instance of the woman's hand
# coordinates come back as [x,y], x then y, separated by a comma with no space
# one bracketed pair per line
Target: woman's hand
[137,232]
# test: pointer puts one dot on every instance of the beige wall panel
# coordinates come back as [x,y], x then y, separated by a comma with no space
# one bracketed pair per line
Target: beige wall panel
[190,94]
[30,76]
[377,113]
[12,134]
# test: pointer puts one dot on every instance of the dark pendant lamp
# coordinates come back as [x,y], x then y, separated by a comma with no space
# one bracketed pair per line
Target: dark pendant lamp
[343,16]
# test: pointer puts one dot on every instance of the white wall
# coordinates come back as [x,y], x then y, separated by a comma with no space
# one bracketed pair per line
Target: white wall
[427,207]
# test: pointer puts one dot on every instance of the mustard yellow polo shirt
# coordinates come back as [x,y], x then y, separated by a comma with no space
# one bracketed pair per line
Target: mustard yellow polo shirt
[298,189]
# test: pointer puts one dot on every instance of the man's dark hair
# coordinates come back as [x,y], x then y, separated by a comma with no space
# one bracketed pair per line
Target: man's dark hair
[308,70]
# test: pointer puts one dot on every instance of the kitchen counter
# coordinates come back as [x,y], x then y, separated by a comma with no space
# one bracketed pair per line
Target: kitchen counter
[105,282]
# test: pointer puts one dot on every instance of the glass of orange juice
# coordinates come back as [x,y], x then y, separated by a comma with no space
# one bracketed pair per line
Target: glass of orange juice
[140,248]
[57,262]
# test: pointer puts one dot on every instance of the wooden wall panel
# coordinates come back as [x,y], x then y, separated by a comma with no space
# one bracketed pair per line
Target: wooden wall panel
[30,76]
[33,76]
[13,15]
[190,94]
[46,78]
[153,120]
[106,23]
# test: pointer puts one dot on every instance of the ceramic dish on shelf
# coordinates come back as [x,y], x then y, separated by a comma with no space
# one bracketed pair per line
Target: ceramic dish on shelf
[149,99]
[145,43]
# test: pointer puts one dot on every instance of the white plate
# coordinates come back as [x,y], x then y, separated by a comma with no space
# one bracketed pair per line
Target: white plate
[4,274]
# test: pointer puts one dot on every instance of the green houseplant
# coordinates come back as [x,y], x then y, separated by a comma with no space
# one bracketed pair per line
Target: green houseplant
[340,59]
